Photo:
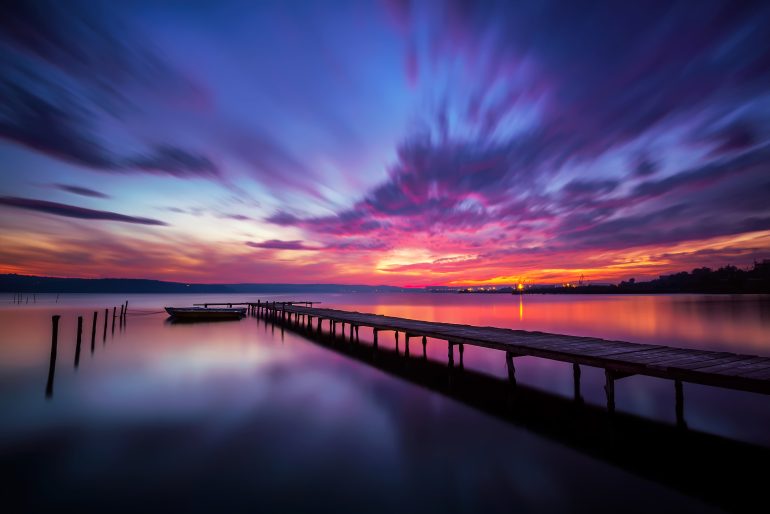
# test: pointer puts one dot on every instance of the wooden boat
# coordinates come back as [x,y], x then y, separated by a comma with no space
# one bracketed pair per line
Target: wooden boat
[203,313]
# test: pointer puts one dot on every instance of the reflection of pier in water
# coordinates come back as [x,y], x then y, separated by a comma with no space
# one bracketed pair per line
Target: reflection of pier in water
[716,469]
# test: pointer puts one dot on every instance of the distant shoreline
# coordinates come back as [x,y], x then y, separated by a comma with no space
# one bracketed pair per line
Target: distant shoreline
[28,284]
[725,280]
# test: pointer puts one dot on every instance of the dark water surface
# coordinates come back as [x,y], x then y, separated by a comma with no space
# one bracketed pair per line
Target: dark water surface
[244,416]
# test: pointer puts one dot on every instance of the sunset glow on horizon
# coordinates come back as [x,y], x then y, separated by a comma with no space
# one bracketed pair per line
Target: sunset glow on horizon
[388,142]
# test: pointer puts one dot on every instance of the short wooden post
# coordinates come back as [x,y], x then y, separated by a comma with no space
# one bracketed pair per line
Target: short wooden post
[576,381]
[114,310]
[679,390]
[79,338]
[93,332]
[52,362]
[609,389]
[106,314]
[511,368]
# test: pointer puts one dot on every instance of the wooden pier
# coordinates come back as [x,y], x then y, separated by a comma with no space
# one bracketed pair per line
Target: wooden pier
[619,359]
[250,305]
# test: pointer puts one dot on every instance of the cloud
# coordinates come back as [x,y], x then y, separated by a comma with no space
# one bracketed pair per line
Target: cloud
[82,191]
[237,217]
[65,73]
[173,161]
[551,144]
[72,211]
[276,244]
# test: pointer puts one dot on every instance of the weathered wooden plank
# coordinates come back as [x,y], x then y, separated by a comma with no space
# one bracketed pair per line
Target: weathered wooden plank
[730,368]
[763,374]
[646,356]
[692,357]
[695,365]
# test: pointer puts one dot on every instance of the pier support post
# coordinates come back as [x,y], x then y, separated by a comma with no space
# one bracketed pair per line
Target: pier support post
[375,331]
[461,347]
[406,345]
[52,362]
[79,338]
[609,389]
[396,341]
[424,347]
[114,311]
[319,323]
[511,369]
[451,352]
[679,393]
[576,382]
[106,315]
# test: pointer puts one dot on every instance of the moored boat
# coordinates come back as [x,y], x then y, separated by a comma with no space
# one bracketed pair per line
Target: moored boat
[203,313]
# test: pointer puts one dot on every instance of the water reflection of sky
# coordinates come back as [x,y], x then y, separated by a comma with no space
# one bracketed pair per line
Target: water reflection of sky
[267,412]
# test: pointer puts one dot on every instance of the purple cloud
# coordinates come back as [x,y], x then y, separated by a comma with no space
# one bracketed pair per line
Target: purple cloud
[44,42]
[277,244]
[72,211]
[82,191]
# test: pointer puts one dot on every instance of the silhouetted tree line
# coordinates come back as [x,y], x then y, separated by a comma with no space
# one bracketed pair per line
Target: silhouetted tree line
[728,279]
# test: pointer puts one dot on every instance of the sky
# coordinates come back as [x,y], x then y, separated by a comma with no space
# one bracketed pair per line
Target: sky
[386,142]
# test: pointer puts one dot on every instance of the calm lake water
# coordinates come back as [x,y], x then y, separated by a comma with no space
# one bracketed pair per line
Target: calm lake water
[244,416]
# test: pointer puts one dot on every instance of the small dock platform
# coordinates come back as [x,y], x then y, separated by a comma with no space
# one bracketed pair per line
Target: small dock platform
[619,359]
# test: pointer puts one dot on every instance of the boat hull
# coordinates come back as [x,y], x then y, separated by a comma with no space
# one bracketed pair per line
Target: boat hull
[202,314]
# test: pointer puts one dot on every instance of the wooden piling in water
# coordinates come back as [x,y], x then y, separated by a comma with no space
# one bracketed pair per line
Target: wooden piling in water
[679,404]
[93,333]
[576,381]
[106,314]
[510,367]
[609,390]
[77,344]
[52,362]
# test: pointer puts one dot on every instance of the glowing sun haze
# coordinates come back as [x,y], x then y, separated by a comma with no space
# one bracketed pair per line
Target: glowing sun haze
[396,142]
